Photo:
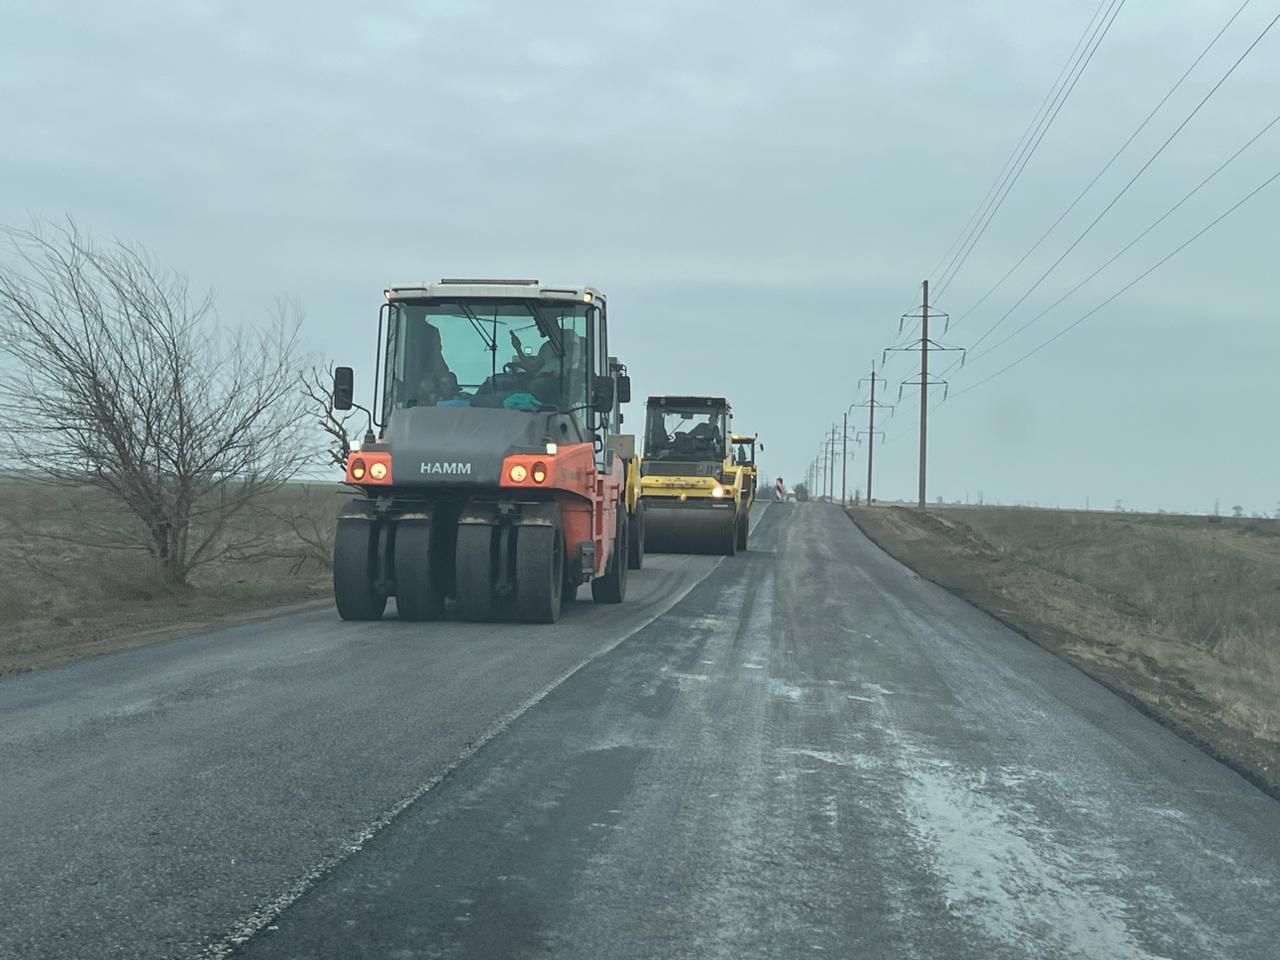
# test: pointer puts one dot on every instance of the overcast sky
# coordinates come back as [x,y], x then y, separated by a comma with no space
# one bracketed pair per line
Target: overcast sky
[758,187]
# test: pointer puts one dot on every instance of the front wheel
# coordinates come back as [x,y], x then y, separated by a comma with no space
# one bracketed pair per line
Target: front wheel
[474,565]
[540,573]
[612,587]
[418,594]
[355,570]
[635,538]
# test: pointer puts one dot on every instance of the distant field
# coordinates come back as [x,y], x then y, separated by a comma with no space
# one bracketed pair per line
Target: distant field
[1182,613]
[61,598]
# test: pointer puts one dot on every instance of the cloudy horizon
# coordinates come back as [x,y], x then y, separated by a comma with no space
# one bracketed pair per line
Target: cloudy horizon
[759,189]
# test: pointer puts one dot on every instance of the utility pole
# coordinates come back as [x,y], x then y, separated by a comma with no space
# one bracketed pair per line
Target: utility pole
[844,456]
[822,468]
[832,460]
[924,387]
[820,481]
[871,431]
[844,462]
[923,345]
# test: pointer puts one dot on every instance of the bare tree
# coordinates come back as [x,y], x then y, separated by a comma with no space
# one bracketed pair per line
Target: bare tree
[317,395]
[304,525]
[124,382]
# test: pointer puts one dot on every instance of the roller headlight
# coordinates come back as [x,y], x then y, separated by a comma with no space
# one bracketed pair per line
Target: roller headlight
[539,472]
[717,491]
[518,473]
[378,471]
[357,469]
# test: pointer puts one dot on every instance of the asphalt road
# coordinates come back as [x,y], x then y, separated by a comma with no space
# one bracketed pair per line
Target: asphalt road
[158,801]
[812,753]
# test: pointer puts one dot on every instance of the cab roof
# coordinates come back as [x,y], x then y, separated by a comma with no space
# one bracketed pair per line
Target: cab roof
[453,289]
[689,401]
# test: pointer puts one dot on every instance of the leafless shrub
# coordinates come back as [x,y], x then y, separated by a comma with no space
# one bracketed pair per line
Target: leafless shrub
[125,383]
[317,395]
[302,527]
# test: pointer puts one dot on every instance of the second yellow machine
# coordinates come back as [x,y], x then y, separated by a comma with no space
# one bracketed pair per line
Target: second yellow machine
[695,494]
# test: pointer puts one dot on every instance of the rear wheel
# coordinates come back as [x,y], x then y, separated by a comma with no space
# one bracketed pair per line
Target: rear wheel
[355,570]
[569,592]
[729,537]
[744,530]
[635,538]
[418,596]
[612,587]
[540,573]
[474,564]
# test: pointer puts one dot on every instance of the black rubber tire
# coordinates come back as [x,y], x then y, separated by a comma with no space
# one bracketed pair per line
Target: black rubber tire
[730,537]
[418,596]
[569,592]
[355,568]
[474,565]
[744,531]
[635,538]
[612,587]
[539,573]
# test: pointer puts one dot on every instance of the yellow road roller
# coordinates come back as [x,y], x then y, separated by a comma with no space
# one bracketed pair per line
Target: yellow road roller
[744,461]
[624,446]
[694,497]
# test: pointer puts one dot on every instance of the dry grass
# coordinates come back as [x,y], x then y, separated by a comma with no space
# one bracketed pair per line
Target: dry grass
[62,597]
[1211,587]
[1181,614]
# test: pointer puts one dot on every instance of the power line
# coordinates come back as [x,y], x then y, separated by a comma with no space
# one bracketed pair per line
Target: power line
[1100,34]
[1132,283]
[1128,246]
[1018,147]
[1011,161]
[1125,189]
[1107,166]
[1112,203]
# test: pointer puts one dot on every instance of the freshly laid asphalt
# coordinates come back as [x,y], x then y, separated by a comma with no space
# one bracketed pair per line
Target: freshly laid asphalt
[804,750]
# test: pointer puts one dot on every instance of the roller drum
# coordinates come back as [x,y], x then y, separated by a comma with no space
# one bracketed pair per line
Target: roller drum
[690,529]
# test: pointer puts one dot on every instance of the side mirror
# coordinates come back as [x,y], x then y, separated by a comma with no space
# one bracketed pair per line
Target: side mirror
[602,394]
[624,388]
[343,388]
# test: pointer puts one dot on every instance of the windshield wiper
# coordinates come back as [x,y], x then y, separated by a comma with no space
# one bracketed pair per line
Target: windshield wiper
[547,329]
[490,343]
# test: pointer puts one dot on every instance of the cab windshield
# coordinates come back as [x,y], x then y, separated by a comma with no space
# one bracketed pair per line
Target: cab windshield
[688,433]
[520,355]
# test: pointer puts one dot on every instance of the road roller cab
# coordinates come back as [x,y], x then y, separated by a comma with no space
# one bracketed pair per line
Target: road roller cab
[487,477]
[744,461]
[691,491]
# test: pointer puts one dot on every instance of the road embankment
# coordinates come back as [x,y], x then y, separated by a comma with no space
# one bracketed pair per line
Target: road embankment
[1178,615]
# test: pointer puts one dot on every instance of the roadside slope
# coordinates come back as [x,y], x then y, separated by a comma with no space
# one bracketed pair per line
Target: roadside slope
[1118,640]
